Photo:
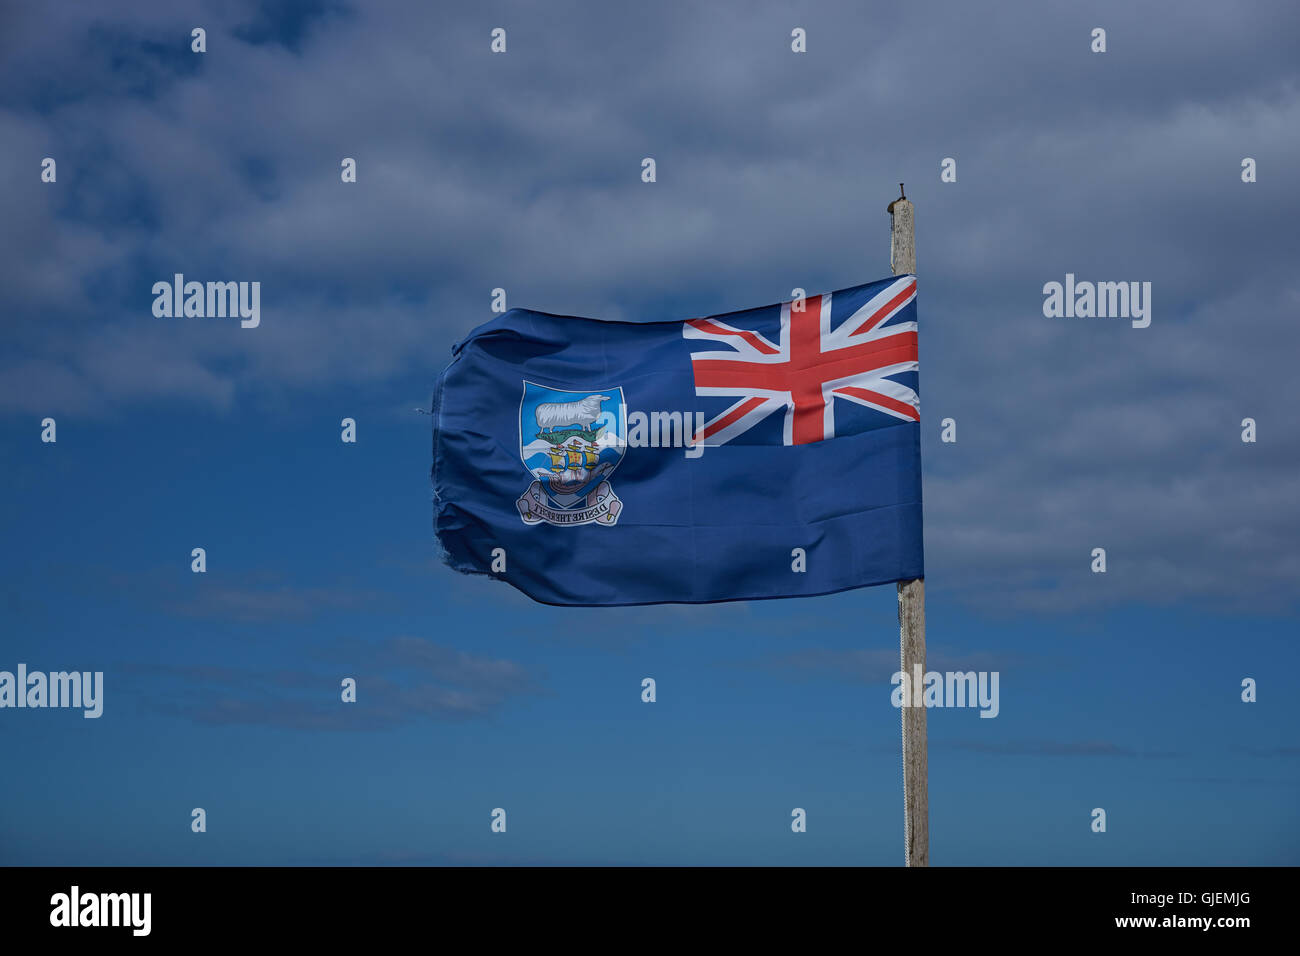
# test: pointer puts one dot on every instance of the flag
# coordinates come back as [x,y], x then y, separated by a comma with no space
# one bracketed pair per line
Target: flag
[768,453]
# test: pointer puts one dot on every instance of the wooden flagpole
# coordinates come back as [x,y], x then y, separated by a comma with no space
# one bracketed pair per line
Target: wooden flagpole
[911,619]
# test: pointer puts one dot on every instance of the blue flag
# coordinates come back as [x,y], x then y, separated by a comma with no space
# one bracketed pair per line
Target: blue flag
[759,454]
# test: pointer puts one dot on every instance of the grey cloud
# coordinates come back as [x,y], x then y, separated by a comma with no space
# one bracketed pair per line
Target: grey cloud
[398,681]
[1287,750]
[1053,748]
[878,666]
[522,171]
[251,596]
[250,603]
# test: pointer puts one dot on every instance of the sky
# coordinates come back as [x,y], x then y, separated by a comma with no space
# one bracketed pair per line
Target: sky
[522,170]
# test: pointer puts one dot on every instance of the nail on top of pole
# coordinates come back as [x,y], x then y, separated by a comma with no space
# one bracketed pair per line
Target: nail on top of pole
[901,196]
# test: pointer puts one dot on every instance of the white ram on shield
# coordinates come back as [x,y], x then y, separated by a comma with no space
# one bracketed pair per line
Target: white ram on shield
[582,413]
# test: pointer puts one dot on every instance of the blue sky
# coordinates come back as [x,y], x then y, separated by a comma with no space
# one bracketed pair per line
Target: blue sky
[523,171]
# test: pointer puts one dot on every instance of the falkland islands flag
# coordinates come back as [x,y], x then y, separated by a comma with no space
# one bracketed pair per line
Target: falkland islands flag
[768,453]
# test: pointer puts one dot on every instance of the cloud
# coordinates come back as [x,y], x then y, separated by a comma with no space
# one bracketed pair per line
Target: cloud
[522,171]
[255,596]
[453,666]
[399,681]
[1288,750]
[879,666]
[1052,748]
[266,603]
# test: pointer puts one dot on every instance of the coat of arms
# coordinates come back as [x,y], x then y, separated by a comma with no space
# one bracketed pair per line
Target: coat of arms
[570,442]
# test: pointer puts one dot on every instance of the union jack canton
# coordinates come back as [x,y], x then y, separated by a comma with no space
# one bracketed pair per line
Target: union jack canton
[831,346]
